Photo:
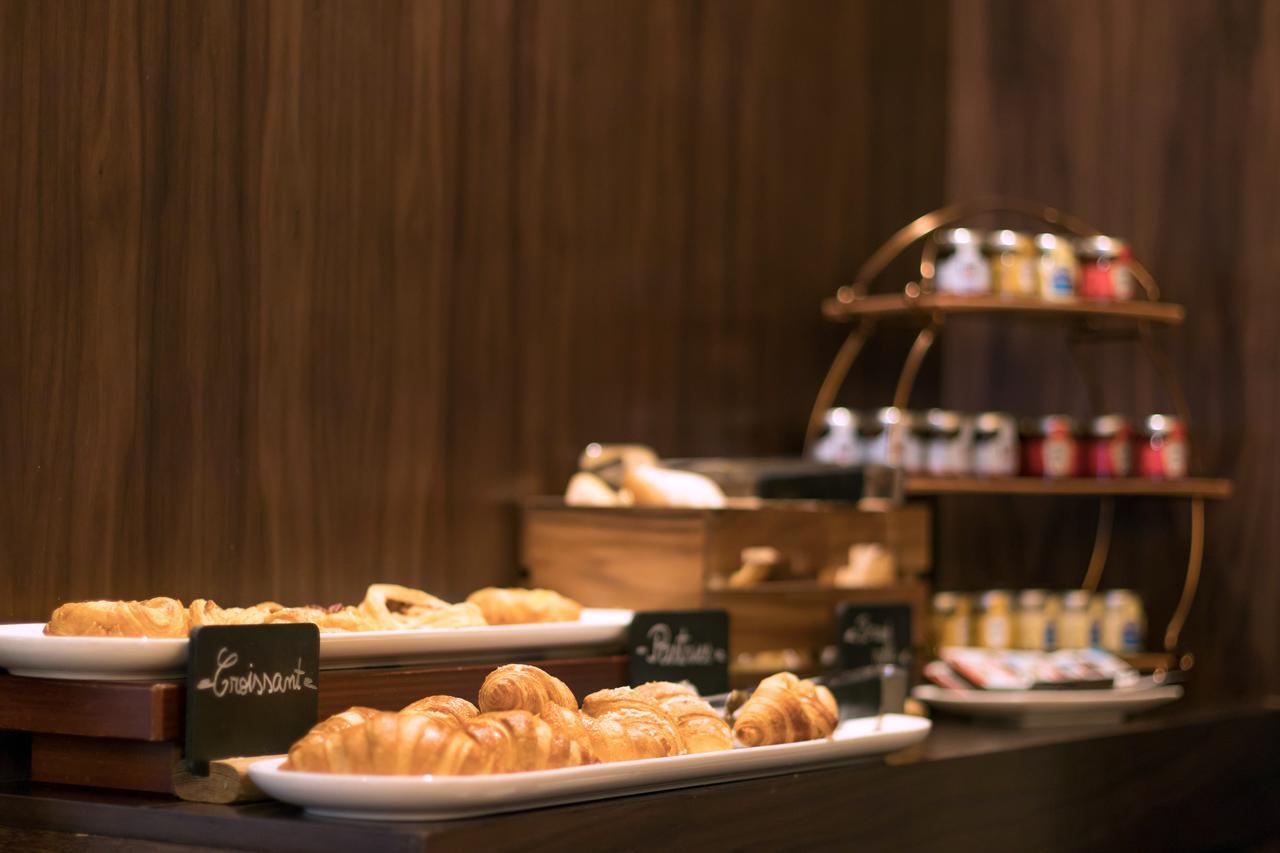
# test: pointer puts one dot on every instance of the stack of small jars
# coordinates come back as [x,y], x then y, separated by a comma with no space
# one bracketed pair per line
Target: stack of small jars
[1047,266]
[1040,620]
[944,443]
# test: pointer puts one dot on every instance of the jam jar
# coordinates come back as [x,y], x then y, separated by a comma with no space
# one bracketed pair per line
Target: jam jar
[961,268]
[1012,264]
[1108,450]
[1056,267]
[1049,447]
[1104,268]
[838,444]
[995,445]
[1161,445]
[949,445]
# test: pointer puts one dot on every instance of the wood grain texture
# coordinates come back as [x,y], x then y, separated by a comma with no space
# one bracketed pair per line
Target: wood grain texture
[1158,122]
[299,296]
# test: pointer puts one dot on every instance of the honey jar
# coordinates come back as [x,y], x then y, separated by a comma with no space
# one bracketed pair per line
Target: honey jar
[1012,264]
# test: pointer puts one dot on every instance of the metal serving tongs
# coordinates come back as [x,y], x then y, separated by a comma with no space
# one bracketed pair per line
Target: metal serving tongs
[844,685]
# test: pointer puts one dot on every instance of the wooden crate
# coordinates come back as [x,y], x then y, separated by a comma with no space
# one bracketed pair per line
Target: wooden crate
[650,558]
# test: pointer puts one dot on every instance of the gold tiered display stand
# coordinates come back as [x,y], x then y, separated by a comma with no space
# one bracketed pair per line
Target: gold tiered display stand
[918,305]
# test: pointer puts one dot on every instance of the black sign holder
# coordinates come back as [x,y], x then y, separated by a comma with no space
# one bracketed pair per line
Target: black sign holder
[251,690]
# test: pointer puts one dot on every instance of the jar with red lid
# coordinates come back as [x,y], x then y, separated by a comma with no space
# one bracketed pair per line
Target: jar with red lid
[1108,451]
[1161,445]
[1049,447]
[1104,268]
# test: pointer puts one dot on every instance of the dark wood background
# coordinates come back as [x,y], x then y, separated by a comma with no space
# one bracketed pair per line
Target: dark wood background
[302,295]
[1159,122]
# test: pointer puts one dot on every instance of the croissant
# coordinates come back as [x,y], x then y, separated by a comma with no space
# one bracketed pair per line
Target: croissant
[785,709]
[520,606]
[309,749]
[520,687]
[155,617]
[624,725]
[445,708]
[700,727]
[416,744]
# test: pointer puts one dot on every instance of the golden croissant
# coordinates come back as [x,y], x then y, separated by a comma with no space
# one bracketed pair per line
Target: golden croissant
[446,708]
[311,747]
[624,725]
[786,709]
[417,744]
[520,687]
[701,728]
[519,606]
[612,725]
[155,617]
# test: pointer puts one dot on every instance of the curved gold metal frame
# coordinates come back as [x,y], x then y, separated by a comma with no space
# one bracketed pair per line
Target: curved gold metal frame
[921,228]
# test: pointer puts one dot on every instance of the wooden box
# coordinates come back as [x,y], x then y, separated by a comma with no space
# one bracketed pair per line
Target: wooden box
[652,558]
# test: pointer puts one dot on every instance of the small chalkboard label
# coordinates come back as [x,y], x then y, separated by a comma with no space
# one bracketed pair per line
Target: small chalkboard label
[873,634]
[681,645]
[251,690]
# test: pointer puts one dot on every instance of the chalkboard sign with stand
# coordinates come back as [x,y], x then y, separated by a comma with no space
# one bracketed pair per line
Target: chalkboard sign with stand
[251,690]
[681,645]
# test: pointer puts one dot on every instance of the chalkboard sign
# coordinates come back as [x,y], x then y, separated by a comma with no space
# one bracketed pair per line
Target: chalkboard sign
[251,690]
[681,645]
[873,634]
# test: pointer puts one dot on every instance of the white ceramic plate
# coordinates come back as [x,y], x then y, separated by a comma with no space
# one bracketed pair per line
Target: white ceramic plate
[1034,708]
[25,650]
[445,797]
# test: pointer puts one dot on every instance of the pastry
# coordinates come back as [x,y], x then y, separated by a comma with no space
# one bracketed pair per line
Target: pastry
[392,606]
[586,489]
[446,708]
[520,687]
[519,606]
[205,612]
[416,744]
[786,709]
[653,486]
[155,617]
[310,749]
[700,727]
[613,725]
[624,725]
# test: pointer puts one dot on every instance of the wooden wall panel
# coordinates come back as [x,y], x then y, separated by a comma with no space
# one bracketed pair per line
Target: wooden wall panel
[1159,122]
[298,295]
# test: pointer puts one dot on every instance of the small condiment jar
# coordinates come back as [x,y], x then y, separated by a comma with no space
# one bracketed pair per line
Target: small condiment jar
[1108,449]
[949,447]
[1075,630]
[950,619]
[838,444]
[993,628]
[1124,622]
[1057,269]
[1012,264]
[915,441]
[961,268]
[1104,268]
[881,436]
[1049,447]
[995,445]
[1032,627]
[1161,448]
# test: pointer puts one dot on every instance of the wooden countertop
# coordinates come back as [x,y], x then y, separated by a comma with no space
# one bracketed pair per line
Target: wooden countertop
[1185,778]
